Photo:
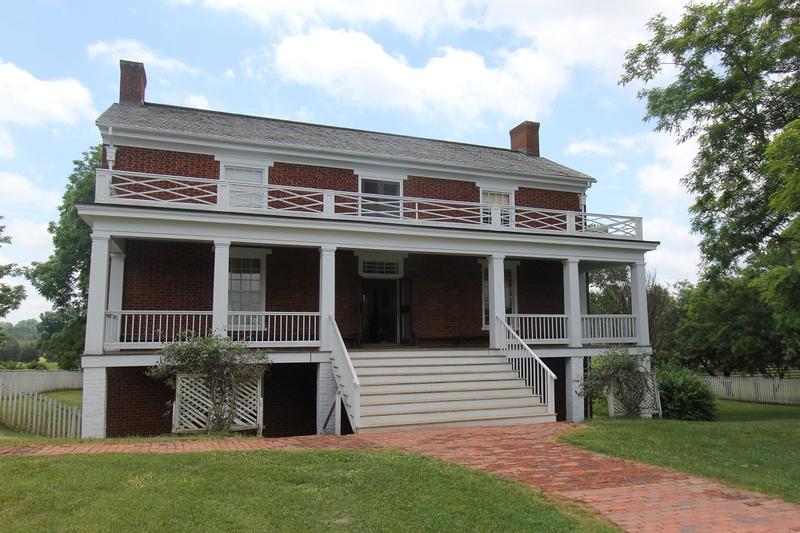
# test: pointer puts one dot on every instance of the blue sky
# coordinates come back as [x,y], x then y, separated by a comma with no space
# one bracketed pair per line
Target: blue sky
[465,70]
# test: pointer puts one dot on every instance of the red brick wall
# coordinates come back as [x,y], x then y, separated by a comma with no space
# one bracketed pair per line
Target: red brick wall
[137,404]
[165,162]
[313,177]
[293,279]
[348,295]
[545,199]
[464,191]
[162,275]
[445,296]
[540,287]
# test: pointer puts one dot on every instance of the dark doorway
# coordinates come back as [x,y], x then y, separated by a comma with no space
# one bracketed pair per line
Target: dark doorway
[290,400]
[379,311]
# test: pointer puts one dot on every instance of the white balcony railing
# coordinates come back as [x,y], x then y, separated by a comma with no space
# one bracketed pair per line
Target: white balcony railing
[540,329]
[274,329]
[608,328]
[197,193]
[153,329]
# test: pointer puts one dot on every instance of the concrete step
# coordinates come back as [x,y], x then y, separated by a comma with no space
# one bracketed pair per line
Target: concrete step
[428,361]
[441,406]
[497,420]
[437,378]
[431,369]
[441,386]
[368,398]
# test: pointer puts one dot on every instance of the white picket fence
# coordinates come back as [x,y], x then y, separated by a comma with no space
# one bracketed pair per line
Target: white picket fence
[34,381]
[39,415]
[756,389]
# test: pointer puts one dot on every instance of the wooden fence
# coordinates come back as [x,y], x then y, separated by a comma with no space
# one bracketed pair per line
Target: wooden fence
[34,381]
[756,389]
[39,415]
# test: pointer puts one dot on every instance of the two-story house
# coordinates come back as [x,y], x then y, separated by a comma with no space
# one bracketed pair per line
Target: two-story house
[398,282]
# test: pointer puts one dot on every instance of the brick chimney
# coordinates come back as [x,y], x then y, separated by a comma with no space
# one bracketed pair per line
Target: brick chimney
[132,82]
[525,138]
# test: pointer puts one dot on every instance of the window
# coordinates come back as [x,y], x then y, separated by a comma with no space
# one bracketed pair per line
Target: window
[510,289]
[380,206]
[247,186]
[245,278]
[497,199]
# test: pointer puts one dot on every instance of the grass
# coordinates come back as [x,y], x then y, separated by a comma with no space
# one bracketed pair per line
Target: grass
[276,491]
[71,397]
[754,446]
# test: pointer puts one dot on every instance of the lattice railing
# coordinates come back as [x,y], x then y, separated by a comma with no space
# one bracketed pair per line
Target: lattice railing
[651,404]
[192,409]
[179,191]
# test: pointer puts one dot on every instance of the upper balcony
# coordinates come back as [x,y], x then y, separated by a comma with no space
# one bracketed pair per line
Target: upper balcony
[137,188]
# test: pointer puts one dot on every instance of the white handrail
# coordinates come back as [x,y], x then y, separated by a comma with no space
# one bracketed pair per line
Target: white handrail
[203,193]
[531,368]
[346,377]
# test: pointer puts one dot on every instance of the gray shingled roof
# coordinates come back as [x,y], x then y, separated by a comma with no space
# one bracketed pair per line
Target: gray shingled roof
[215,124]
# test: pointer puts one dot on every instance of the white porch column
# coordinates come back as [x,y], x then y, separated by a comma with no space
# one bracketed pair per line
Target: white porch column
[639,302]
[574,375]
[583,288]
[98,290]
[326,394]
[572,301]
[219,307]
[93,423]
[116,277]
[497,300]
[327,294]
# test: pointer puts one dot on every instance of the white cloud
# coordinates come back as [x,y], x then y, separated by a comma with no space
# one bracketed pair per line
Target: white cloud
[197,101]
[30,240]
[134,50]
[31,307]
[588,147]
[459,83]
[7,150]
[17,190]
[678,256]
[25,99]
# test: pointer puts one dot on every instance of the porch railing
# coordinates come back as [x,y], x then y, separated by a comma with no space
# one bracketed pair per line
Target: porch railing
[274,328]
[153,329]
[605,328]
[531,369]
[199,193]
[346,378]
[540,329]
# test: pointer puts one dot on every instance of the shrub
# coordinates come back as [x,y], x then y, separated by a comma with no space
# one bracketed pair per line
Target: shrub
[623,371]
[684,395]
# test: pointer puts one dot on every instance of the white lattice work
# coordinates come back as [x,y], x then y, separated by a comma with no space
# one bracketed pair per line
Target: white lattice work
[193,405]
[651,405]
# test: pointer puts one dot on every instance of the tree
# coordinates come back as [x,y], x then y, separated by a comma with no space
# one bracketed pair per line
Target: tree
[222,363]
[10,295]
[735,86]
[64,278]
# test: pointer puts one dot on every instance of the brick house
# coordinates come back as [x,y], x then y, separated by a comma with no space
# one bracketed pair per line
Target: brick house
[398,282]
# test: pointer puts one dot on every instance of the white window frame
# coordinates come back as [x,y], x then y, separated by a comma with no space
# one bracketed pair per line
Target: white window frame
[507,265]
[383,257]
[253,253]
[510,191]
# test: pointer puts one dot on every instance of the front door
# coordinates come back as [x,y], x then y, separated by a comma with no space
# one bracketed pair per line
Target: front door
[379,310]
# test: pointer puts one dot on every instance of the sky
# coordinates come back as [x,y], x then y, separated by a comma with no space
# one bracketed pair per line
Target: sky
[462,70]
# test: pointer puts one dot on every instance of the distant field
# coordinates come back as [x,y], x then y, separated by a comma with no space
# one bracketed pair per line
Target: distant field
[73,397]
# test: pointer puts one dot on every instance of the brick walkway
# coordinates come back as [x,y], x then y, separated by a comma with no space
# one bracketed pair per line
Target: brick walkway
[637,497]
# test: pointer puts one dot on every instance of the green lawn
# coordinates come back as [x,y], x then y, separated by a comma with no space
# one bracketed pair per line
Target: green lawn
[284,491]
[71,397]
[754,446]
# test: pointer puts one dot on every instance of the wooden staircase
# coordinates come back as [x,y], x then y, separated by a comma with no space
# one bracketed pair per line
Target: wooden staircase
[410,389]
